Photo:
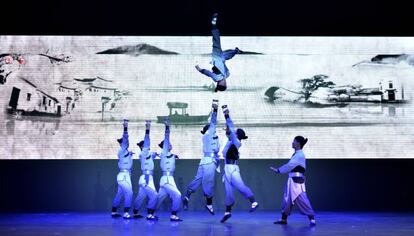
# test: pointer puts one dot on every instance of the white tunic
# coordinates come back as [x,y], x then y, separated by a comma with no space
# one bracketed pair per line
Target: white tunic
[293,190]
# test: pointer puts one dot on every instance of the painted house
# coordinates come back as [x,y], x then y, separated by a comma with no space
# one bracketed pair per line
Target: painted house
[25,98]
[96,92]
[68,93]
[390,91]
[95,87]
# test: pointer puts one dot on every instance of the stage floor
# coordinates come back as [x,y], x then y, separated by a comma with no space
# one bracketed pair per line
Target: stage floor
[202,223]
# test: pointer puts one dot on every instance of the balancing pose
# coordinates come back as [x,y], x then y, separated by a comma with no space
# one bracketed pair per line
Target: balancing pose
[146,181]
[295,191]
[206,169]
[219,72]
[167,183]
[124,176]
[232,177]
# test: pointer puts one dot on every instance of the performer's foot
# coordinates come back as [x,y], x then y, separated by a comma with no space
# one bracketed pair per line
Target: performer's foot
[210,209]
[214,19]
[138,216]
[126,215]
[280,222]
[312,222]
[185,203]
[175,218]
[152,217]
[238,50]
[226,216]
[115,214]
[254,206]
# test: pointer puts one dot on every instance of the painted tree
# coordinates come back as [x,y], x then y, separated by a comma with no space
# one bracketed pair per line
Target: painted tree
[310,85]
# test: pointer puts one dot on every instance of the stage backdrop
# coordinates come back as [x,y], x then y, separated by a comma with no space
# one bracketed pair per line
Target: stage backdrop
[64,97]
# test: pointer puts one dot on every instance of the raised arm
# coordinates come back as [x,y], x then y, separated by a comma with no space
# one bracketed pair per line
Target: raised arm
[125,136]
[166,145]
[230,125]
[147,141]
[213,120]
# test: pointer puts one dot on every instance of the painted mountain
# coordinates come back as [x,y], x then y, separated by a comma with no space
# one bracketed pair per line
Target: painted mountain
[242,53]
[392,59]
[136,50]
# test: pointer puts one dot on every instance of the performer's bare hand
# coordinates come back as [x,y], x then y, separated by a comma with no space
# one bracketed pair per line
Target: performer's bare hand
[214,105]
[147,124]
[167,121]
[225,110]
[125,123]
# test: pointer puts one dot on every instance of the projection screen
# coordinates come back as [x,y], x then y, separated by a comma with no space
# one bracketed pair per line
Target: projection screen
[64,97]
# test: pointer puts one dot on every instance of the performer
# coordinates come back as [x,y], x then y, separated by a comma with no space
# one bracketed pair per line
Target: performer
[232,177]
[146,181]
[124,176]
[295,191]
[219,72]
[167,183]
[206,169]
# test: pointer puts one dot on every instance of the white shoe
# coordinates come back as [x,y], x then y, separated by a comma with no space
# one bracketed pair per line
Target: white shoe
[312,222]
[254,206]
[115,214]
[214,19]
[126,215]
[175,218]
[152,217]
[210,209]
[226,216]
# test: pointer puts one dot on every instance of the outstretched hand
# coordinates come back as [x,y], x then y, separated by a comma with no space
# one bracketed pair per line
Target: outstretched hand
[147,124]
[214,105]
[125,123]
[225,110]
[167,121]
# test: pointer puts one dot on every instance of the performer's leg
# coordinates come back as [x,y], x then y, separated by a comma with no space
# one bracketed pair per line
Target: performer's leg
[139,200]
[229,201]
[208,185]
[193,186]
[162,194]
[126,186]
[208,179]
[155,199]
[238,183]
[286,208]
[195,183]
[217,51]
[305,207]
[152,198]
[229,54]
[210,74]
[116,202]
[175,196]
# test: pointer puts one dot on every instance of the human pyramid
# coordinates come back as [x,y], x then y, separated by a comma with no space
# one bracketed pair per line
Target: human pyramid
[295,193]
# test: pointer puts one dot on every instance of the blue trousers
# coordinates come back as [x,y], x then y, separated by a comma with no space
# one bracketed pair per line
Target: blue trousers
[205,176]
[169,188]
[232,179]
[124,189]
[146,190]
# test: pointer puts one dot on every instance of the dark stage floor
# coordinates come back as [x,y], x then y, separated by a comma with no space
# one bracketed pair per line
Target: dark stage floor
[201,223]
